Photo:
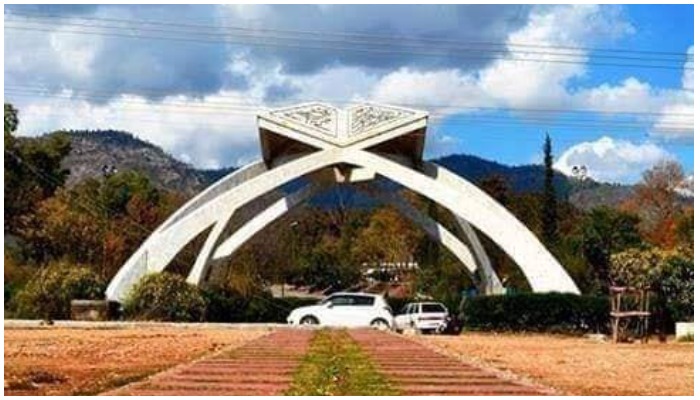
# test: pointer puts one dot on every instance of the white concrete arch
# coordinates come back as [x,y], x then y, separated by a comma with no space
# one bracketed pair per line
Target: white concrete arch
[341,140]
[466,253]
[434,229]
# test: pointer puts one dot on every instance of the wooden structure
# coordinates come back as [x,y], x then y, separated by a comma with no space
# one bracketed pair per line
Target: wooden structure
[628,306]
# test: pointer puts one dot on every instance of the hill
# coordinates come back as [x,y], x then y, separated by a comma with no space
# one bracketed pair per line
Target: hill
[91,150]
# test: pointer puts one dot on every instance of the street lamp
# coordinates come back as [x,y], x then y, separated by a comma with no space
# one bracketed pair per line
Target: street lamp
[107,171]
[580,172]
[293,225]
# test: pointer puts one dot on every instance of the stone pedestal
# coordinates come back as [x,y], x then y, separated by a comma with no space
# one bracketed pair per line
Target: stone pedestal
[90,310]
[684,329]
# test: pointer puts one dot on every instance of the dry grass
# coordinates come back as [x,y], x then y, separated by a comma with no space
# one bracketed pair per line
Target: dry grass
[581,366]
[59,361]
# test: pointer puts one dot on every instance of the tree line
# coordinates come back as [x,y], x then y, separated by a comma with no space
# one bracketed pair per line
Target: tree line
[97,224]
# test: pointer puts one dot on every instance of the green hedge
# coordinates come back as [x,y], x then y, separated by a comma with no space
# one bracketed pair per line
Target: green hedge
[536,312]
[224,305]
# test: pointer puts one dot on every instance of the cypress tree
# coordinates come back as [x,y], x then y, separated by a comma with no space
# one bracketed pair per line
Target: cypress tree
[549,198]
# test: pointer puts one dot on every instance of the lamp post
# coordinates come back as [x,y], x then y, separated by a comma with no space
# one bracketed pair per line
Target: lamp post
[293,225]
[107,171]
[580,172]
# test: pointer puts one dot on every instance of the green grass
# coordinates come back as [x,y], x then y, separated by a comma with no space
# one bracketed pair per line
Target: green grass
[336,366]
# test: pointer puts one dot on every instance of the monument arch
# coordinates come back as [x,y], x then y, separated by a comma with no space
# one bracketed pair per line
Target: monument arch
[354,145]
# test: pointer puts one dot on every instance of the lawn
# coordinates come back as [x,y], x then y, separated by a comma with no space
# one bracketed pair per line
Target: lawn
[60,361]
[580,366]
[336,366]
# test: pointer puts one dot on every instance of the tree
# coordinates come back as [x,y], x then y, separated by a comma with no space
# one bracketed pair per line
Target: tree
[685,228]
[97,222]
[497,187]
[657,203]
[606,231]
[549,198]
[33,170]
[388,238]
[11,120]
[670,274]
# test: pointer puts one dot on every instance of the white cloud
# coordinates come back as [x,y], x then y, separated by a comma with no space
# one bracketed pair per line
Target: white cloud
[230,133]
[677,121]
[611,160]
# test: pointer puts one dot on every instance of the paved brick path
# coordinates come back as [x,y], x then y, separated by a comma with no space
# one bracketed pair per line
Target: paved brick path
[265,366]
[261,367]
[416,370]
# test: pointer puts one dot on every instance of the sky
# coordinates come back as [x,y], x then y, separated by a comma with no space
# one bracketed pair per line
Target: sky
[612,85]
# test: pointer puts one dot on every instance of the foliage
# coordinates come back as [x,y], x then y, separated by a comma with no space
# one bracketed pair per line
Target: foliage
[11,119]
[33,170]
[165,297]
[677,285]
[538,312]
[98,222]
[605,231]
[639,268]
[670,274]
[549,198]
[657,203]
[685,224]
[50,291]
[336,366]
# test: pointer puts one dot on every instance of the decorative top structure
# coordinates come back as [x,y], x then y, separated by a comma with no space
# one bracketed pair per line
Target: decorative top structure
[319,125]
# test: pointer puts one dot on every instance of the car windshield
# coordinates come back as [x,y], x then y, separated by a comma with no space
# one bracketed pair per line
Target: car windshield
[433,308]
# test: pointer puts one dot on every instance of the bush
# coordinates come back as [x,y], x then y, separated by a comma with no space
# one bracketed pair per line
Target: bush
[49,293]
[538,312]
[165,297]
[226,305]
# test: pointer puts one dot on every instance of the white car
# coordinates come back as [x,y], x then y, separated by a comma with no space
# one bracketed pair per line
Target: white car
[425,317]
[350,310]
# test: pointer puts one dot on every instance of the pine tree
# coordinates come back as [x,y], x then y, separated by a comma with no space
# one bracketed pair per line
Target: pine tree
[549,198]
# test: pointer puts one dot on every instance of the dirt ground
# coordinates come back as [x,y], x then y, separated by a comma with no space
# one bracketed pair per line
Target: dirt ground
[581,366]
[60,361]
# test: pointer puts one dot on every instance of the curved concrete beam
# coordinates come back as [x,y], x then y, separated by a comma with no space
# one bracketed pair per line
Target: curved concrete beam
[246,184]
[491,283]
[542,271]
[488,281]
[435,230]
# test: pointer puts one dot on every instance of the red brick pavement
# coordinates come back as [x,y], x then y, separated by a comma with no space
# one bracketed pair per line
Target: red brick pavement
[416,370]
[263,366]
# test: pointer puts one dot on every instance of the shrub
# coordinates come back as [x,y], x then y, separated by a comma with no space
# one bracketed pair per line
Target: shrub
[165,297]
[538,312]
[227,305]
[49,293]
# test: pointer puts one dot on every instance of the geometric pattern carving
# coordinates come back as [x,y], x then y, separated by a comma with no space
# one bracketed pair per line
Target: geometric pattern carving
[367,117]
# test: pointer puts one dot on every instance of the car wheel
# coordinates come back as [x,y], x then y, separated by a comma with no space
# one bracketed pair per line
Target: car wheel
[309,320]
[380,324]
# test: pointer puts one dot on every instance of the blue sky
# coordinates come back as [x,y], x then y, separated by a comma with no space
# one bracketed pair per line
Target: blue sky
[495,78]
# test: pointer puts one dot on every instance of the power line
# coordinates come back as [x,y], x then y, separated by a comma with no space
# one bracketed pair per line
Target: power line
[238,105]
[375,51]
[250,33]
[314,34]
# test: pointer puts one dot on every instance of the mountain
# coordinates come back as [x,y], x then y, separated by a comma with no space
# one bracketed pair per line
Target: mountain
[521,179]
[91,150]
